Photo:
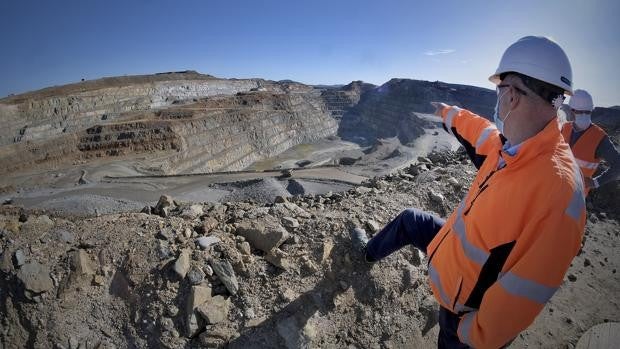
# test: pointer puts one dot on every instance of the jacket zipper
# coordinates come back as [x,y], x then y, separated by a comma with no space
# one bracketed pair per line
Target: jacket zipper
[487,178]
[481,188]
[458,293]
[474,199]
[437,247]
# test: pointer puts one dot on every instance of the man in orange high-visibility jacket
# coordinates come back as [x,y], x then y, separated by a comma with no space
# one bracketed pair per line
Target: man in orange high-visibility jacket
[502,254]
[589,143]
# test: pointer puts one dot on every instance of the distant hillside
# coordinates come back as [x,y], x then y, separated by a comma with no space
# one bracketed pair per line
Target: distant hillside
[389,110]
[340,99]
[107,82]
[608,119]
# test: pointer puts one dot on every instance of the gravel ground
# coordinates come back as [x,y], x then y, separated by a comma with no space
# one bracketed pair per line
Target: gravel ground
[267,275]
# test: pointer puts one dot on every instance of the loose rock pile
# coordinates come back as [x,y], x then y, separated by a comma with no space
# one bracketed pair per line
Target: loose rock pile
[237,274]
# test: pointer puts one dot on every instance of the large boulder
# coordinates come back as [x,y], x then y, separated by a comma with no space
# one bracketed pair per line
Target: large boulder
[82,268]
[197,296]
[225,272]
[279,258]
[215,310]
[81,263]
[164,205]
[36,277]
[182,264]
[192,212]
[264,234]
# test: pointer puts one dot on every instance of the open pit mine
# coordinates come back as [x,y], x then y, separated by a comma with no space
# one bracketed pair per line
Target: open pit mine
[182,210]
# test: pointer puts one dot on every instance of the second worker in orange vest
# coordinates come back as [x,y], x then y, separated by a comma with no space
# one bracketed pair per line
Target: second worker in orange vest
[502,254]
[589,143]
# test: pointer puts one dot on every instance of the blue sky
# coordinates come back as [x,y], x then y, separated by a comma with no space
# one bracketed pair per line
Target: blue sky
[50,42]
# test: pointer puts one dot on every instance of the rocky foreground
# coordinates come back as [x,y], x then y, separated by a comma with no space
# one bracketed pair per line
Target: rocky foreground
[246,275]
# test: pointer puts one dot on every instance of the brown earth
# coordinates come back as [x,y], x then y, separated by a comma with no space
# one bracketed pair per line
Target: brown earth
[128,280]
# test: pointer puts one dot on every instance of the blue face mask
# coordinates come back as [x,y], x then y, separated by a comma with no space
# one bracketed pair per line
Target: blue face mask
[499,123]
[582,121]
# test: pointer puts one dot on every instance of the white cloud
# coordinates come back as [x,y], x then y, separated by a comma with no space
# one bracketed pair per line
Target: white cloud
[439,52]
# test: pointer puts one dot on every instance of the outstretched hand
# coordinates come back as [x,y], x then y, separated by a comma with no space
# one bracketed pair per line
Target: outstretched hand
[438,107]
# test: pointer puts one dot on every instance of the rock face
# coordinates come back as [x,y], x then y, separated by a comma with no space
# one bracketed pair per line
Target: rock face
[389,110]
[608,119]
[199,123]
[57,110]
[340,100]
[193,123]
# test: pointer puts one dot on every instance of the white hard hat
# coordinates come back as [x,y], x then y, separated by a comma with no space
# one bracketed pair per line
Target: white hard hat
[581,100]
[537,57]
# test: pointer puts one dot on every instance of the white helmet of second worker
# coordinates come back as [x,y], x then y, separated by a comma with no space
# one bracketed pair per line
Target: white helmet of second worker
[581,101]
[581,106]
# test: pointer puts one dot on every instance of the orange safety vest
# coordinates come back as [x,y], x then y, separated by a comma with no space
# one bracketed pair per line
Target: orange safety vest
[584,148]
[504,251]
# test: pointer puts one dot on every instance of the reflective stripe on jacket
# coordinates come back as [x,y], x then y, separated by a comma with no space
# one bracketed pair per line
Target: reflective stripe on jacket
[584,148]
[504,251]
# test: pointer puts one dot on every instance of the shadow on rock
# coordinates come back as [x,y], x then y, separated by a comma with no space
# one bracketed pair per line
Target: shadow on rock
[288,326]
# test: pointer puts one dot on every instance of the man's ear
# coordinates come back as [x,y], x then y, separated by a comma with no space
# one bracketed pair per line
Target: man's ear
[515,98]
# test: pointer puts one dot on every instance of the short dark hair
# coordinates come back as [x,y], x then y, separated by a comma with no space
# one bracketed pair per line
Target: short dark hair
[545,90]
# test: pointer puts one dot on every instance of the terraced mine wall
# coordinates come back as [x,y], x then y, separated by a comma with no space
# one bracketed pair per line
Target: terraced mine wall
[220,133]
[188,123]
[340,100]
[48,114]
[232,139]
[389,110]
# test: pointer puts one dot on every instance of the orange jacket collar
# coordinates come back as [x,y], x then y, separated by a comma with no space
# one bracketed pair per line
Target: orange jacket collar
[543,141]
